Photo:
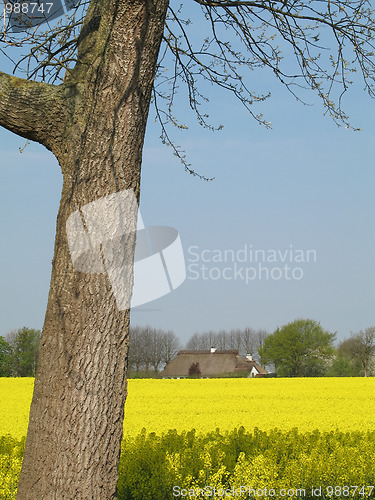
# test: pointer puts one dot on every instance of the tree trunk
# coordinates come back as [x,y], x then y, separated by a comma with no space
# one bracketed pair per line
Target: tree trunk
[94,123]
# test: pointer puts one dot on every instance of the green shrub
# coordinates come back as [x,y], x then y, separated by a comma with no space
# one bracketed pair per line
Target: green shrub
[152,465]
[11,453]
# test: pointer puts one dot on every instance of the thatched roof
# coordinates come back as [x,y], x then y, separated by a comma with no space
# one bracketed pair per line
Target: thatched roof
[211,364]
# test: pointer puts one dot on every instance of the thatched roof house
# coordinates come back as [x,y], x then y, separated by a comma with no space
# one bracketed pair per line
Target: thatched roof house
[212,363]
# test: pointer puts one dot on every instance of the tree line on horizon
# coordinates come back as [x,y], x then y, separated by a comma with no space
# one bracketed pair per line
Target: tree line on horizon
[301,348]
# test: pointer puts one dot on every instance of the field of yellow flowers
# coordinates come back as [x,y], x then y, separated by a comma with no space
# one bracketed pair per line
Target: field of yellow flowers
[206,404]
[347,404]
[315,436]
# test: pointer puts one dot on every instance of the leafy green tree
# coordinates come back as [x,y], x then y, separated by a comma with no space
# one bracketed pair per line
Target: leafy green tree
[344,366]
[299,349]
[4,353]
[22,357]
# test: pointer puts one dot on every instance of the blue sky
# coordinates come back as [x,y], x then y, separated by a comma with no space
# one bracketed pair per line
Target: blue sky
[303,185]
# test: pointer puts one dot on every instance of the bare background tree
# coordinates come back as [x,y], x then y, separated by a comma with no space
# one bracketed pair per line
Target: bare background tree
[246,341]
[94,75]
[150,347]
[360,348]
[170,346]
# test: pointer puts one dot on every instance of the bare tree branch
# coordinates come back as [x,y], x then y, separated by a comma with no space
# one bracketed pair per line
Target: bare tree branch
[329,40]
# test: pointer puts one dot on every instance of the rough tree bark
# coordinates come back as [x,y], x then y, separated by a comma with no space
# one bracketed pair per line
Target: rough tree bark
[94,123]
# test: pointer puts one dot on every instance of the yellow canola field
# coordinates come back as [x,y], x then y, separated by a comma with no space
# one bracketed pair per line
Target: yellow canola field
[15,400]
[206,404]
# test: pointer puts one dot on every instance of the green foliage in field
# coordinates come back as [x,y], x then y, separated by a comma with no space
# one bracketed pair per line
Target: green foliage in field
[11,453]
[152,465]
